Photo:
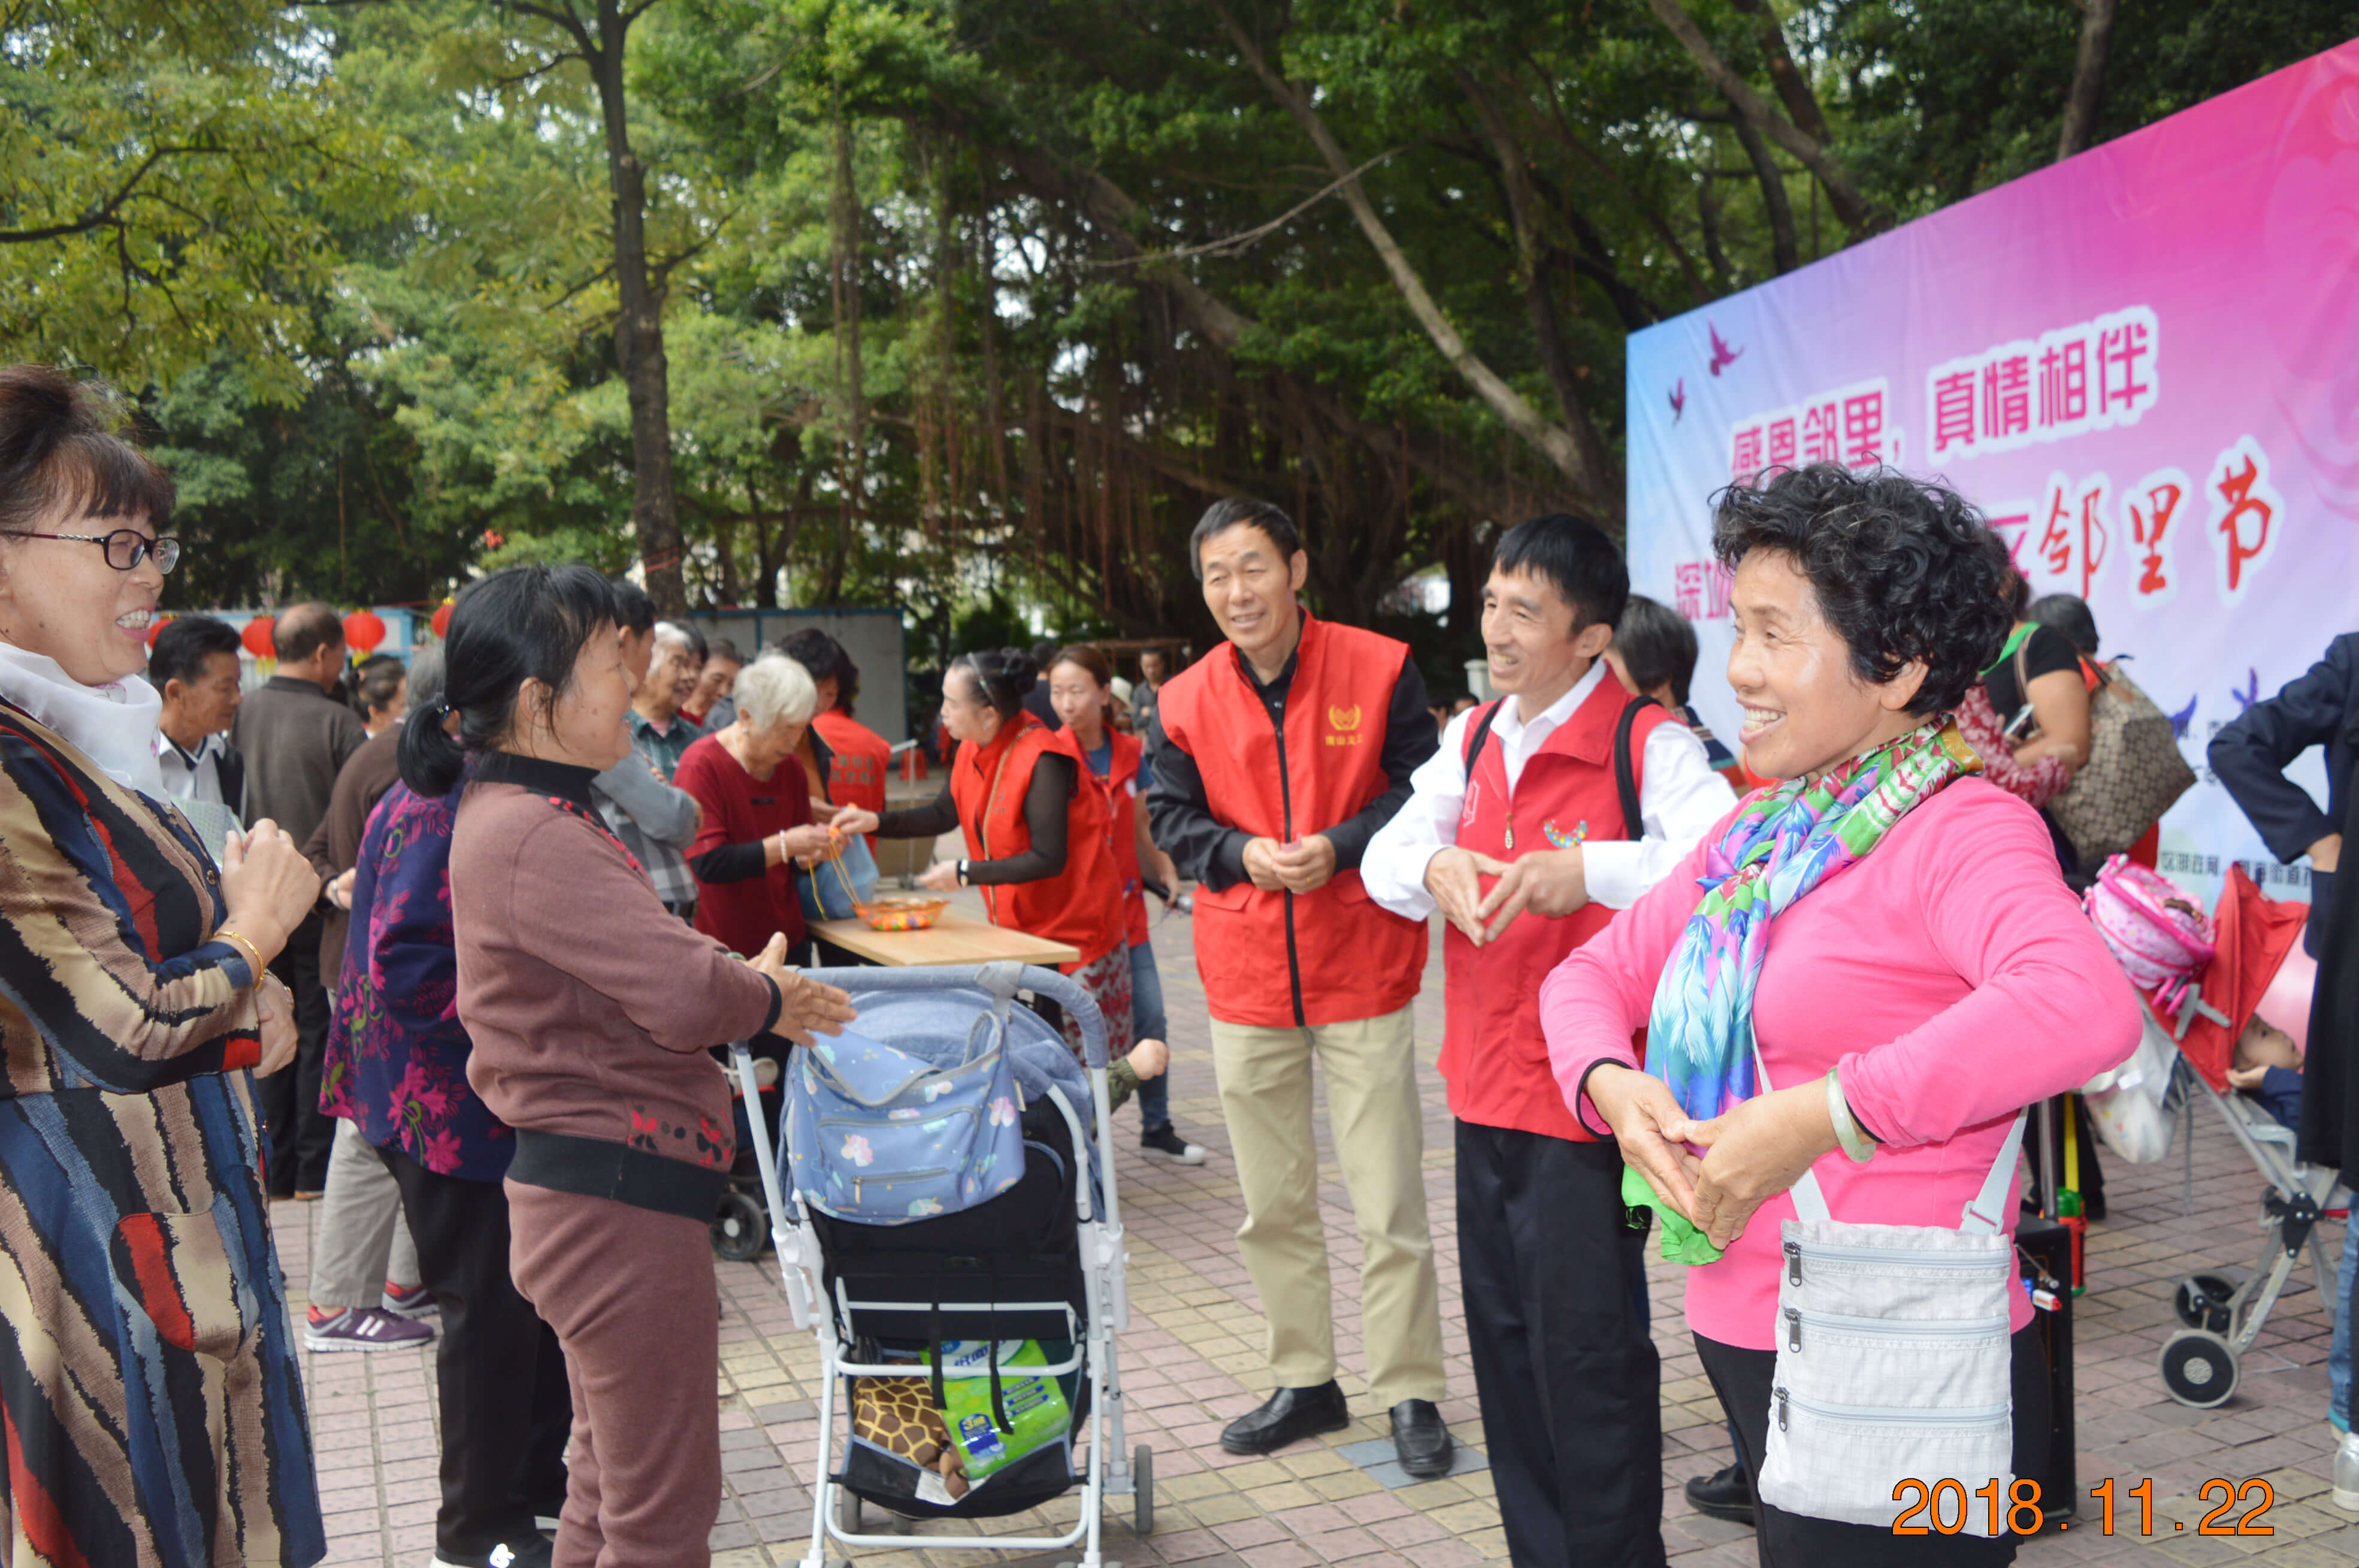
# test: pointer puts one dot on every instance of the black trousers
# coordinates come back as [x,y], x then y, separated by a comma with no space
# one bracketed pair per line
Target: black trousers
[300,1137]
[506,1406]
[1555,1286]
[2092,1172]
[1742,1379]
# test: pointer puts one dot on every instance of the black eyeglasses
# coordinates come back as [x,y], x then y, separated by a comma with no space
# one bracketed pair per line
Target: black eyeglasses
[125,547]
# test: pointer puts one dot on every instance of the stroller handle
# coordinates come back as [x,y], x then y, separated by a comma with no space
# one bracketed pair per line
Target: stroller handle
[1001,980]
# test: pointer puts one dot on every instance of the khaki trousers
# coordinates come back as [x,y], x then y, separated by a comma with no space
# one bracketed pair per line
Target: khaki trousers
[1372,1109]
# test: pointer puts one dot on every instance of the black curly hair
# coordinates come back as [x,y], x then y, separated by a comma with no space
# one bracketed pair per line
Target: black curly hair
[1902,568]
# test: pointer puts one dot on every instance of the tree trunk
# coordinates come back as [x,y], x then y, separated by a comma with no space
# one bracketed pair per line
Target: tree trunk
[1584,482]
[1783,245]
[2088,90]
[638,331]
[1793,91]
[1851,209]
[1534,261]
[843,225]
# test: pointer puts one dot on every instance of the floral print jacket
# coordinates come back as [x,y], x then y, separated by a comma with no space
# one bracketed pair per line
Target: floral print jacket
[397,1054]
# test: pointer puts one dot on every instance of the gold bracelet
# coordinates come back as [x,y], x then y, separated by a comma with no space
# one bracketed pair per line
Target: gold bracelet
[253,953]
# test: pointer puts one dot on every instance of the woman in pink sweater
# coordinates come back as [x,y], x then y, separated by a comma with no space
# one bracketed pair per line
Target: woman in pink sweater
[1882,916]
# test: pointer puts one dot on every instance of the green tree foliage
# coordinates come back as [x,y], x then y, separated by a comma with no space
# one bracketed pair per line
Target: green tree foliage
[972,304]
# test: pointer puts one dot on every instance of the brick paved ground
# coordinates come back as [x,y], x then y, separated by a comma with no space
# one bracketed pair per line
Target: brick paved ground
[1192,1361]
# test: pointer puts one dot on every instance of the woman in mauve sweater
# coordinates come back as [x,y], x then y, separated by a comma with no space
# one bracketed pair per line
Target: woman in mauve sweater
[1882,916]
[591,1008]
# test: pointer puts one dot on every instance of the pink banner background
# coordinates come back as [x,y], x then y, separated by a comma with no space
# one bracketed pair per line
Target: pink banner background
[2236,224]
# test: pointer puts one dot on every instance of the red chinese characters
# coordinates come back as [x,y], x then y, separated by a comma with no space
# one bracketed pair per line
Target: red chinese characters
[2070,548]
[2006,399]
[1822,438]
[1745,457]
[1700,590]
[2121,348]
[1953,410]
[2148,508]
[2245,510]
[2064,382]
[2092,376]
[1687,589]
[1851,424]
[2012,522]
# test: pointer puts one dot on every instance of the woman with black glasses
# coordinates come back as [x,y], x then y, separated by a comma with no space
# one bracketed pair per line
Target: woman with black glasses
[147,1373]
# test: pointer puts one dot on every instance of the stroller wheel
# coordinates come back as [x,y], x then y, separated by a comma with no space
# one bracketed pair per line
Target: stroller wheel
[2199,1367]
[2201,1302]
[1142,1473]
[740,1228]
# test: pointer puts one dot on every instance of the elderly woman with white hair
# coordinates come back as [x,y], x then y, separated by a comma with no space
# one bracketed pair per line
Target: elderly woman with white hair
[757,811]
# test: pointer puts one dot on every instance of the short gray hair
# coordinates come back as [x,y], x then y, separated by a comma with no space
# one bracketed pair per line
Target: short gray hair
[675,635]
[425,678]
[774,690]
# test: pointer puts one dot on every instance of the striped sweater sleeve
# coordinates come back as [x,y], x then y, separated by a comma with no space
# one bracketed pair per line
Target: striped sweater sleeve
[79,940]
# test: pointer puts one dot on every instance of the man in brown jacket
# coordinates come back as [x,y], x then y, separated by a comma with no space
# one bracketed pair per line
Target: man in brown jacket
[296,737]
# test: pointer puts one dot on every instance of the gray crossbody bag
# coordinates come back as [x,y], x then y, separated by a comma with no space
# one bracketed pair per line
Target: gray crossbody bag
[1893,1355]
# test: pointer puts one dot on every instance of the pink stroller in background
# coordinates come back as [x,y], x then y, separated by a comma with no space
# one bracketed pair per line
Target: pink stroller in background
[2202,981]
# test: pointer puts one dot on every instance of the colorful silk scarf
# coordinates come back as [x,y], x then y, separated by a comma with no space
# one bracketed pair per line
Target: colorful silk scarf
[1782,843]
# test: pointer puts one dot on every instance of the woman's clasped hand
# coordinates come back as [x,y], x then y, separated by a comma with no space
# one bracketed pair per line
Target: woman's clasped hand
[268,886]
[1751,1152]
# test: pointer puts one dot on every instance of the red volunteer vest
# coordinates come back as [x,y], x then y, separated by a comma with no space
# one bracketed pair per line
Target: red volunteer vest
[1279,959]
[1082,904]
[1118,791]
[1494,1054]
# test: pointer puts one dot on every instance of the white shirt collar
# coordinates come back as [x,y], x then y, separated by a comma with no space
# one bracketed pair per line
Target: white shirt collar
[205,748]
[1510,727]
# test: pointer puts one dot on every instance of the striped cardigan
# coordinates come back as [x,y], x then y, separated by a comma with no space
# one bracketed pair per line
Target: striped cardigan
[147,1374]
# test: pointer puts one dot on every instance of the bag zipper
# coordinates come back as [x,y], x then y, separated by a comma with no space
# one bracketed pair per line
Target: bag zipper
[927,1119]
[1900,1328]
[894,1180]
[1889,1415]
[1922,1259]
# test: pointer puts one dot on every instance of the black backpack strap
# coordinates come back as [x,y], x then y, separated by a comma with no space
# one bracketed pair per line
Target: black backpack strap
[1478,732]
[1626,775]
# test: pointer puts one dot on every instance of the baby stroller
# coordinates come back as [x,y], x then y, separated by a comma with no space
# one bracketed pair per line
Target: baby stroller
[2197,1031]
[962,1249]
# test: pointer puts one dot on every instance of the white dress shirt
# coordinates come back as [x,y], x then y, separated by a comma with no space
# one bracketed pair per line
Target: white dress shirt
[1680,798]
[191,776]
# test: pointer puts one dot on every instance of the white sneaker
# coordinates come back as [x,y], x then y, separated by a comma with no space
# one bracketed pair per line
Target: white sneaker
[1168,1144]
[2346,1474]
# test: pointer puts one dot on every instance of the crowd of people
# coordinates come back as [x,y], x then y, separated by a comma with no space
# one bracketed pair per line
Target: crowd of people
[444,944]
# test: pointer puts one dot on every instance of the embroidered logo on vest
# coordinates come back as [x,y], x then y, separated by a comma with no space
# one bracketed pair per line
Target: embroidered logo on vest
[1346,720]
[1562,839]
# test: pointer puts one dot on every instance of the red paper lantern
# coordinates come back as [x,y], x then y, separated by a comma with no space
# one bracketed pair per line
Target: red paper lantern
[155,628]
[256,637]
[364,630]
[441,621]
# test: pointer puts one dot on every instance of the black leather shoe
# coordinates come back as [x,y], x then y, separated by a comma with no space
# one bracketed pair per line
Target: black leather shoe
[1290,1415]
[1724,1495]
[1420,1439]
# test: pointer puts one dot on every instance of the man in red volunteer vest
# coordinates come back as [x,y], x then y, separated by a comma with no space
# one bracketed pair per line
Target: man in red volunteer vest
[1518,831]
[1274,760]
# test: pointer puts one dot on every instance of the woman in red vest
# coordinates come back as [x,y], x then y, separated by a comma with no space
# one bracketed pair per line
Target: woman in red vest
[1034,837]
[1081,683]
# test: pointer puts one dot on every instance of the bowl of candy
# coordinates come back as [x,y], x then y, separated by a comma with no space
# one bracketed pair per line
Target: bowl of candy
[901,912]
